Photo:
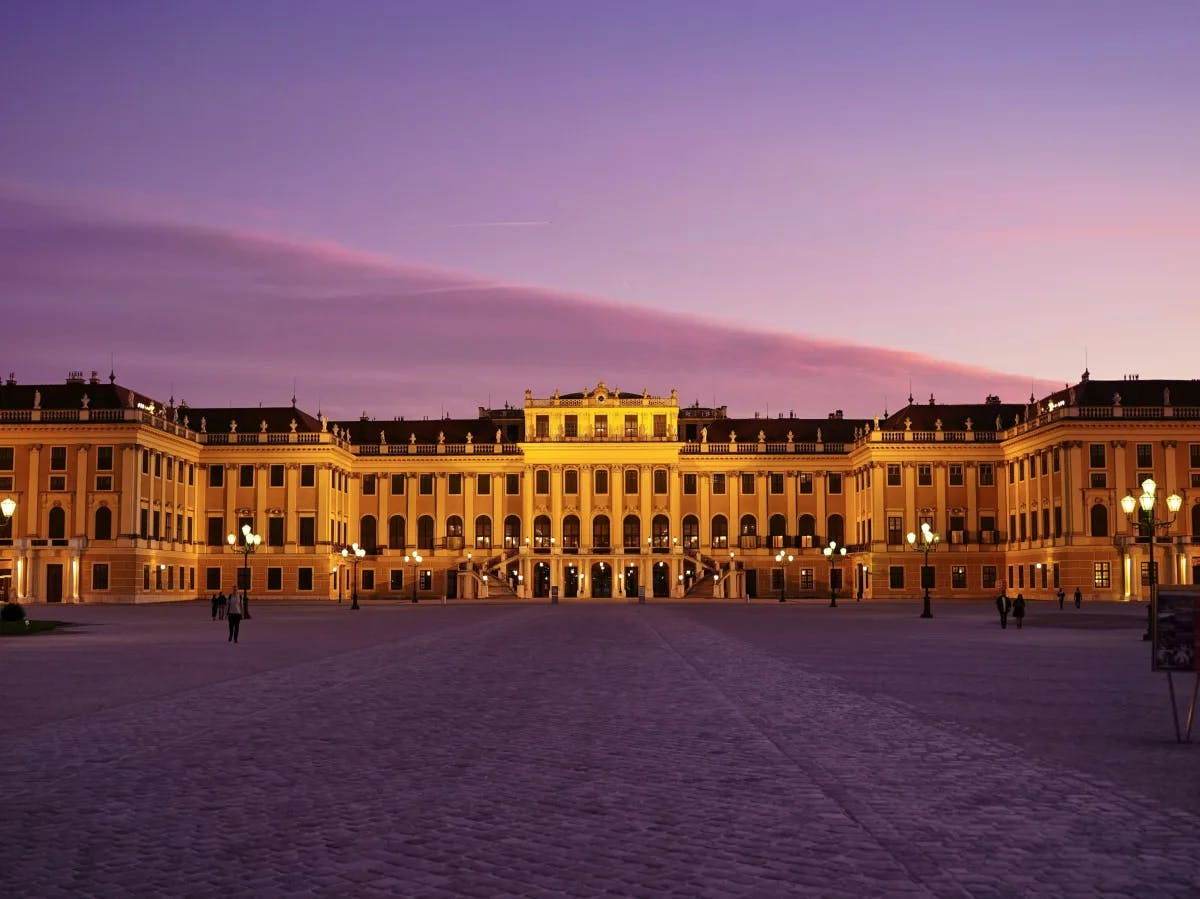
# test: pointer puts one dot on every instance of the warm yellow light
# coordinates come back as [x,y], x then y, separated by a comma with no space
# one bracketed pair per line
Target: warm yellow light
[245,529]
[1149,486]
[912,538]
[1174,501]
[345,552]
[1128,504]
[1147,501]
[231,539]
[8,505]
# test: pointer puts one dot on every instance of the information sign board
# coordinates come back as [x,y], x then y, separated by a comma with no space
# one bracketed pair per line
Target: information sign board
[1176,634]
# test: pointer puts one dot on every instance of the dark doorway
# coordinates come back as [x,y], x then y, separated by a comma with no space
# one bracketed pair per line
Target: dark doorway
[541,579]
[5,584]
[631,581]
[54,583]
[452,584]
[601,580]
[662,580]
[571,582]
[751,582]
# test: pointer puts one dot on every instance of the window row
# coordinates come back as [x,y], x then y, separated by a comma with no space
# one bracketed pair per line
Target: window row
[955,474]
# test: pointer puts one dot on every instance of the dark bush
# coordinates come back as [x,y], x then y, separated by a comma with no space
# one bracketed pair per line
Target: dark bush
[12,611]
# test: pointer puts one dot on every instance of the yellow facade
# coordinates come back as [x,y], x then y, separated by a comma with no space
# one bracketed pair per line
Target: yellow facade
[593,494]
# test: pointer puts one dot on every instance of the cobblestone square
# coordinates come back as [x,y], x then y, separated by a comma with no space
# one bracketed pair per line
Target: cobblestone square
[666,749]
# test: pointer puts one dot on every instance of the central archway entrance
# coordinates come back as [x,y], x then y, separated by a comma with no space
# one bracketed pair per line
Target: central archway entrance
[662,579]
[631,581]
[570,582]
[601,580]
[541,580]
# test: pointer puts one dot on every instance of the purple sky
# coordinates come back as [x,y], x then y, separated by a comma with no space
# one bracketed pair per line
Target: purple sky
[793,205]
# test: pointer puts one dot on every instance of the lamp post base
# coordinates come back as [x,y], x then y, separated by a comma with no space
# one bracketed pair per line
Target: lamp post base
[833,600]
[354,604]
[926,611]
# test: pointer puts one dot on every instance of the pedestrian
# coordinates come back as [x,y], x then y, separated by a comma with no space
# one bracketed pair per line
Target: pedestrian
[1078,597]
[245,606]
[858,598]
[214,606]
[234,614]
[1062,594]
[222,602]
[1002,606]
[1018,609]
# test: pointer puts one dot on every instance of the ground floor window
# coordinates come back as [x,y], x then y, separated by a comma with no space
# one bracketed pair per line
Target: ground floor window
[776,578]
[806,578]
[396,579]
[989,577]
[274,578]
[426,579]
[100,576]
[304,579]
[896,577]
[368,579]
[1102,574]
[1146,574]
[958,577]
[212,578]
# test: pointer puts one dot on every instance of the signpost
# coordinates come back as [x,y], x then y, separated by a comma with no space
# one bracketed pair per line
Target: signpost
[1175,642]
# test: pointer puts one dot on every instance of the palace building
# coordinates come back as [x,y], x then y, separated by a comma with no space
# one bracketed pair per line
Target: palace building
[121,498]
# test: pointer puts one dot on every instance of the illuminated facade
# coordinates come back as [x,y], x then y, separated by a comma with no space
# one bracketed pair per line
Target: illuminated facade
[593,494]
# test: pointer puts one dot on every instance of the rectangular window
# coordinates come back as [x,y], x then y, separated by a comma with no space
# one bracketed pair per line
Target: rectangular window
[304,579]
[776,483]
[541,482]
[100,576]
[1023,518]
[368,485]
[660,481]
[308,476]
[1046,524]
[689,484]
[1193,456]
[483,485]
[1145,455]
[396,579]
[275,531]
[245,475]
[1012,472]
[398,484]
[571,482]
[1101,574]
[216,530]
[308,530]
[7,455]
[806,483]
[158,576]
[989,577]
[718,484]
[571,426]
[104,458]
[1057,576]
[541,426]
[956,475]
[631,481]
[807,579]
[1020,469]
[1021,576]
[660,426]
[275,473]
[216,476]
[1099,480]
[1012,528]
[1058,521]
[776,579]
[1096,456]
[274,578]
[157,465]
[893,475]
[835,483]
[895,530]
[924,475]
[58,482]
[512,484]
[145,461]
[368,578]
[631,425]
[104,482]
[1033,525]
[454,484]
[1146,573]
[601,426]
[212,578]
[425,484]
[958,577]
[169,471]
[600,482]
[426,581]
[896,577]
[747,485]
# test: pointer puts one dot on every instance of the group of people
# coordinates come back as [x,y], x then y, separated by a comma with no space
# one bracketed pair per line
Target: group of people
[1016,607]
[232,608]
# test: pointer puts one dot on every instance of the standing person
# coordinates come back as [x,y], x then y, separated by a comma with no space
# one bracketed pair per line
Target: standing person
[222,601]
[1062,594]
[234,614]
[1078,597]
[1018,609]
[245,606]
[214,606]
[1002,607]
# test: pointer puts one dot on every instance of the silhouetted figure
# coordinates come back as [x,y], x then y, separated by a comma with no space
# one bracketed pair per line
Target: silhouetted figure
[1002,606]
[1062,594]
[234,615]
[222,603]
[1078,597]
[1018,609]
[214,606]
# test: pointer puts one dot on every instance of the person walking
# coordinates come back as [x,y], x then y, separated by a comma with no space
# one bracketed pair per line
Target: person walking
[1062,594]
[214,606]
[1078,597]
[222,602]
[1018,609]
[1002,606]
[245,606]
[234,614]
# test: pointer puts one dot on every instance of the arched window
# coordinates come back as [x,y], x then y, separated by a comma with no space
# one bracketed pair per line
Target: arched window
[748,526]
[483,532]
[367,532]
[720,532]
[425,532]
[396,532]
[57,524]
[660,530]
[541,532]
[777,527]
[837,530]
[103,523]
[454,526]
[512,532]
[691,532]
[632,532]
[807,530]
[570,531]
[1099,520]
[601,533]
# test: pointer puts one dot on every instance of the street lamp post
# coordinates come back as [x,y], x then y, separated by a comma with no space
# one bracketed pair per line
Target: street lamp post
[929,541]
[249,544]
[355,554]
[784,559]
[1149,520]
[8,508]
[832,554]
[414,560]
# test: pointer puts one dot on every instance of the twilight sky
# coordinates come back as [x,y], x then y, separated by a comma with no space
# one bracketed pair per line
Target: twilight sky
[412,206]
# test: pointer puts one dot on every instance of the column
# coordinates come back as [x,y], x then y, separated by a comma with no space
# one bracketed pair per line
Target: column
[130,489]
[80,525]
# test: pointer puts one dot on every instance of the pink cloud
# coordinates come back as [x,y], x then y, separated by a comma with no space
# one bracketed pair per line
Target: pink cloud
[221,316]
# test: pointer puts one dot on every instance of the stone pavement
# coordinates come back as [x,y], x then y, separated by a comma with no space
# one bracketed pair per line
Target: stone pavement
[579,750]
